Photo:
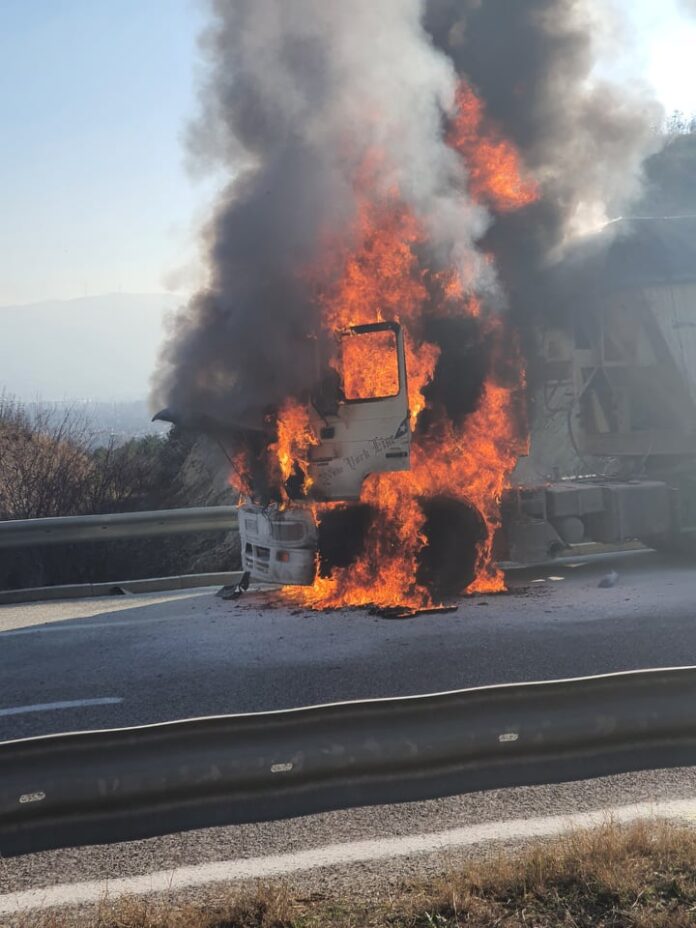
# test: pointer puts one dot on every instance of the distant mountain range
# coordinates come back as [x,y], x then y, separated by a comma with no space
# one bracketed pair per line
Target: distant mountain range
[99,348]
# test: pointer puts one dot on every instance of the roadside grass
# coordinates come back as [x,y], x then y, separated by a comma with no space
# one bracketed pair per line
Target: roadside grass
[639,876]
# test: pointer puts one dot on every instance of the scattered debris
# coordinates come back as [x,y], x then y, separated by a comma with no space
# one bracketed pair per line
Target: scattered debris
[517,591]
[608,580]
[407,612]
[235,590]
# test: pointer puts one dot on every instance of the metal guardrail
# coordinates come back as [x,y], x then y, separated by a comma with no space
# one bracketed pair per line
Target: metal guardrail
[108,786]
[37,594]
[69,529]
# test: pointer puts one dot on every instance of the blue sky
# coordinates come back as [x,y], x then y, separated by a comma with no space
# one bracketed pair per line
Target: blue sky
[94,99]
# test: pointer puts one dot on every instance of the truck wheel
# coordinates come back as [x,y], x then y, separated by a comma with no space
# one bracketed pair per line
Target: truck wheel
[341,535]
[448,561]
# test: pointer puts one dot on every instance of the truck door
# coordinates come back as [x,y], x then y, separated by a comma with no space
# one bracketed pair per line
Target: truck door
[368,431]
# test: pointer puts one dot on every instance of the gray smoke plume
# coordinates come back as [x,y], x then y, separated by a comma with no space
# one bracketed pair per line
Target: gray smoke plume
[533,62]
[298,94]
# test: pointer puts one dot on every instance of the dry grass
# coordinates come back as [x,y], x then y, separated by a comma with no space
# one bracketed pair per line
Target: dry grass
[639,876]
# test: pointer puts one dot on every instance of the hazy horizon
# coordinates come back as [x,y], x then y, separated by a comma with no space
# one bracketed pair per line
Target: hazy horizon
[102,347]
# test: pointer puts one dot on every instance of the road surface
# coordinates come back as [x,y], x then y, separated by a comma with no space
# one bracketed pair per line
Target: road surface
[130,660]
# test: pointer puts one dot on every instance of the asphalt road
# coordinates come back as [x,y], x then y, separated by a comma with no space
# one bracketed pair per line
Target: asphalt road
[103,663]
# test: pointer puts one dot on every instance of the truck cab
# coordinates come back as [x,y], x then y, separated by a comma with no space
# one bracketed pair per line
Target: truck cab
[360,418]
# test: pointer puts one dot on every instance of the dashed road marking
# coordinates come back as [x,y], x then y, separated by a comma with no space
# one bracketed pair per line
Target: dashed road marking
[62,704]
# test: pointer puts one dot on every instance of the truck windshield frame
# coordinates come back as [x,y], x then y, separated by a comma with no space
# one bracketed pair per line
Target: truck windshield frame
[365,329]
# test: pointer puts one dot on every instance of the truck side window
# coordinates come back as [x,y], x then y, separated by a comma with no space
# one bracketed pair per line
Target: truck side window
[369,365]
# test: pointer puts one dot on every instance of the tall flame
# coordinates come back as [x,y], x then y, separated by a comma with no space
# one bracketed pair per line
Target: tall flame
[495,172]
[295,437]
[382,277]
[381,280]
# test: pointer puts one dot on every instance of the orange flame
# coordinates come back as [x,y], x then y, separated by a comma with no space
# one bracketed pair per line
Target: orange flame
[295,437]
[495,174]
[368,366]
[240,475]
[381,277]
[379,281]
[471,465]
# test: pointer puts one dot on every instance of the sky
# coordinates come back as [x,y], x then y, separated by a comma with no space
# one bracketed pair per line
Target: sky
[95,96]
[94,99]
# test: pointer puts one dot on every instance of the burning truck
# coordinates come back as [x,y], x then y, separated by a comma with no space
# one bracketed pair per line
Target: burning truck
[381,481]
[371,509]
[621,383]
[405,176]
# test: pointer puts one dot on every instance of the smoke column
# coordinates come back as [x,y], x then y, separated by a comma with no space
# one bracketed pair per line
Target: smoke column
[298,95]
[299,92]
[584,139]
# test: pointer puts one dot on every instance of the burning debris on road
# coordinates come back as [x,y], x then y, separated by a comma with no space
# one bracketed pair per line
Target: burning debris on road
[403,174]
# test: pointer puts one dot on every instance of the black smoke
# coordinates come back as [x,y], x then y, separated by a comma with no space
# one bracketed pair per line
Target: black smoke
[582,138]
[297,95]
[460,372]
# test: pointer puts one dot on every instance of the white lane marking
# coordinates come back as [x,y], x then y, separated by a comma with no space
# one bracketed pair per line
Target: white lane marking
[255,868]
[88,626]
[64,704]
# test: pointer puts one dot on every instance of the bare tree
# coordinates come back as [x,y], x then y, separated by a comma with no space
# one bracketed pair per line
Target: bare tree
[680,123]
[52,465]
[45,467]
[49,465]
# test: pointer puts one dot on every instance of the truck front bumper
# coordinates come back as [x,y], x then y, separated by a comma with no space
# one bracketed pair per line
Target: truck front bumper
[278,546]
